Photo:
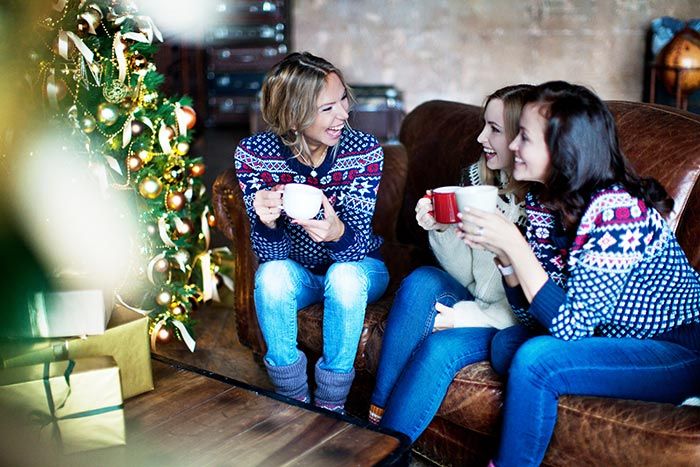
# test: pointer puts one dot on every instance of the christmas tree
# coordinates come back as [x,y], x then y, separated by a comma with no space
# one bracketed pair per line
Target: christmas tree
[98,77]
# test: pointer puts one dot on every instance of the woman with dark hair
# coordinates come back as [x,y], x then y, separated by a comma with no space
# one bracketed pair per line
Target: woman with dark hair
[333,258]
[609,304]
[464,299]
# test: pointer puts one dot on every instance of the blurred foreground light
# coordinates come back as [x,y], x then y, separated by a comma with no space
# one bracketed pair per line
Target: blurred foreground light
[79,226]
[183,20]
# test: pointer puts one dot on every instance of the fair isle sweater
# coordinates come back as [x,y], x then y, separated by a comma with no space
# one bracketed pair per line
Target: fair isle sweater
[475,269]
[349,177]
[623,274]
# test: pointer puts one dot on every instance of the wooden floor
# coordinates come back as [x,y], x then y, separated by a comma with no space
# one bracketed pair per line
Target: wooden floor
[192,419]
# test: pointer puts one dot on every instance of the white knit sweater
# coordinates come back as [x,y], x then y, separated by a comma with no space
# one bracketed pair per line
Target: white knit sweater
[475,269]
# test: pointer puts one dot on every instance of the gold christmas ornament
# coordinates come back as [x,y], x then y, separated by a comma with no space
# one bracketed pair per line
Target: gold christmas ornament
[115,91]
[175,201]
[107,114]
[177,309]
[163,298]
[134,163]
[88,124]
[137,128]
[162,265]
[191,116]
[164,335]
[182,148]
[185,228]
[197,170]
[145,156]
[211,220]
[174,172]
[150,187]
[138,62]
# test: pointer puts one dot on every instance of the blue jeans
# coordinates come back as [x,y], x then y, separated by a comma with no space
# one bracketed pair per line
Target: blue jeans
[545,368]
[416,365]
[283,287]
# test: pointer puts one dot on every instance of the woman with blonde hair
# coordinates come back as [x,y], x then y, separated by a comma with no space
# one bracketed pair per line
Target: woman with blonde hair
[333,258]
[464,299]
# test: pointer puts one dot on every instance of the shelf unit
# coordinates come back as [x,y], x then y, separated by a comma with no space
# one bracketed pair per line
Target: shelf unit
[248,38]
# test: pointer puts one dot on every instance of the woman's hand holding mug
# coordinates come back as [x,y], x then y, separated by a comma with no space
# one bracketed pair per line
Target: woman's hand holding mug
[268,205]
[424,213]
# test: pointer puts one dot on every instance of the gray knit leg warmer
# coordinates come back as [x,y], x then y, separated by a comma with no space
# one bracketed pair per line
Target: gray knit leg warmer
[332,388]
[290,380]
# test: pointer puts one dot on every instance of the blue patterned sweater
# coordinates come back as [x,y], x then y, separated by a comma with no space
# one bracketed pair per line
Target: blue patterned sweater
[622,275]
[350,181]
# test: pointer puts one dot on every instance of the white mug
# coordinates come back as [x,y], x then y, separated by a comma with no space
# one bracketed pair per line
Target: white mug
[478,196]
[301,201]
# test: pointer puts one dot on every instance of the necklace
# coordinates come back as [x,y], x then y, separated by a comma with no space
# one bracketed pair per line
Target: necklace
[310,163]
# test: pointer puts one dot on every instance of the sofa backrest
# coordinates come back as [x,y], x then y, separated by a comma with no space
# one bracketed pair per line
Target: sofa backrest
[662,142]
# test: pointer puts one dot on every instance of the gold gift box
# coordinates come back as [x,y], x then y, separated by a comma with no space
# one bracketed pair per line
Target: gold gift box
[78,407]
[126,339]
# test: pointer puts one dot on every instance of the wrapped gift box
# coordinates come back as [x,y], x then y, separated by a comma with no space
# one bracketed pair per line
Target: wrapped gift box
[126,339]
[77,404]
[66,313]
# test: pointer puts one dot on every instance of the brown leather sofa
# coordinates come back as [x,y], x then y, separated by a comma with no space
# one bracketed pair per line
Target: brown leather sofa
[438,139]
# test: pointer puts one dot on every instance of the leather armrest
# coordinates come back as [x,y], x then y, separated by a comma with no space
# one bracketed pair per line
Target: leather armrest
[232,220]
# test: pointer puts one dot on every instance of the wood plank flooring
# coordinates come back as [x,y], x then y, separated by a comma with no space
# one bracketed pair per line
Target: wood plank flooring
[195,420]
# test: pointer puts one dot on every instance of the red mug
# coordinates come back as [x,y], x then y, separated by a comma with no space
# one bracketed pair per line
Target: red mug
[445,204]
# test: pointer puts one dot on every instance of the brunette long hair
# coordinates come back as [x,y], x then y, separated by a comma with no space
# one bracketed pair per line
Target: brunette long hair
[585,153]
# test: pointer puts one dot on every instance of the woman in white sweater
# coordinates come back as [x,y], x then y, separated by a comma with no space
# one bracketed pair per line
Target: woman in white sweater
[464,299]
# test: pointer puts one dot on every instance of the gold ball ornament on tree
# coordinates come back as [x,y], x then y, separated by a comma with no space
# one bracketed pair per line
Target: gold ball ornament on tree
[683,52]
[190,116]
[175,201]
[182,148]
[134,163]
[145,155]
[174,172]
[107,114]
[211,220]
[177,309]
[185,228]
[150,187]
[115,91]
[163,298]
[137,128]
[162,265]
[197,169]
[138,62]
[88,124]
[164,335]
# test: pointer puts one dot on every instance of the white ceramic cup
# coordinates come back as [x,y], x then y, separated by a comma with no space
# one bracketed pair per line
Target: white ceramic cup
[301,201]
[480,197]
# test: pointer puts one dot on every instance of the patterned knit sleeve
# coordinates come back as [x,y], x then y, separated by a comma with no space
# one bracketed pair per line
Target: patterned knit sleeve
[358,201]
[268,244]
[611,241]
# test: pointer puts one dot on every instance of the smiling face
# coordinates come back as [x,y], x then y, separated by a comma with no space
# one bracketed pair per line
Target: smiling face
[493,137]
[332,113]
[532,159]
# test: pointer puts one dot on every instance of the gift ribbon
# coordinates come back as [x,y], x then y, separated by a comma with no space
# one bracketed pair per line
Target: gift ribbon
[51,419]
[92,17]
[145,25]
[163,138]
[181,118]
[52,89]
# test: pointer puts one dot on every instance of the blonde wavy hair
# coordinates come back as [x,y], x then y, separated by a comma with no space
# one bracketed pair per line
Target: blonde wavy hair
[289,94]
[513,98]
